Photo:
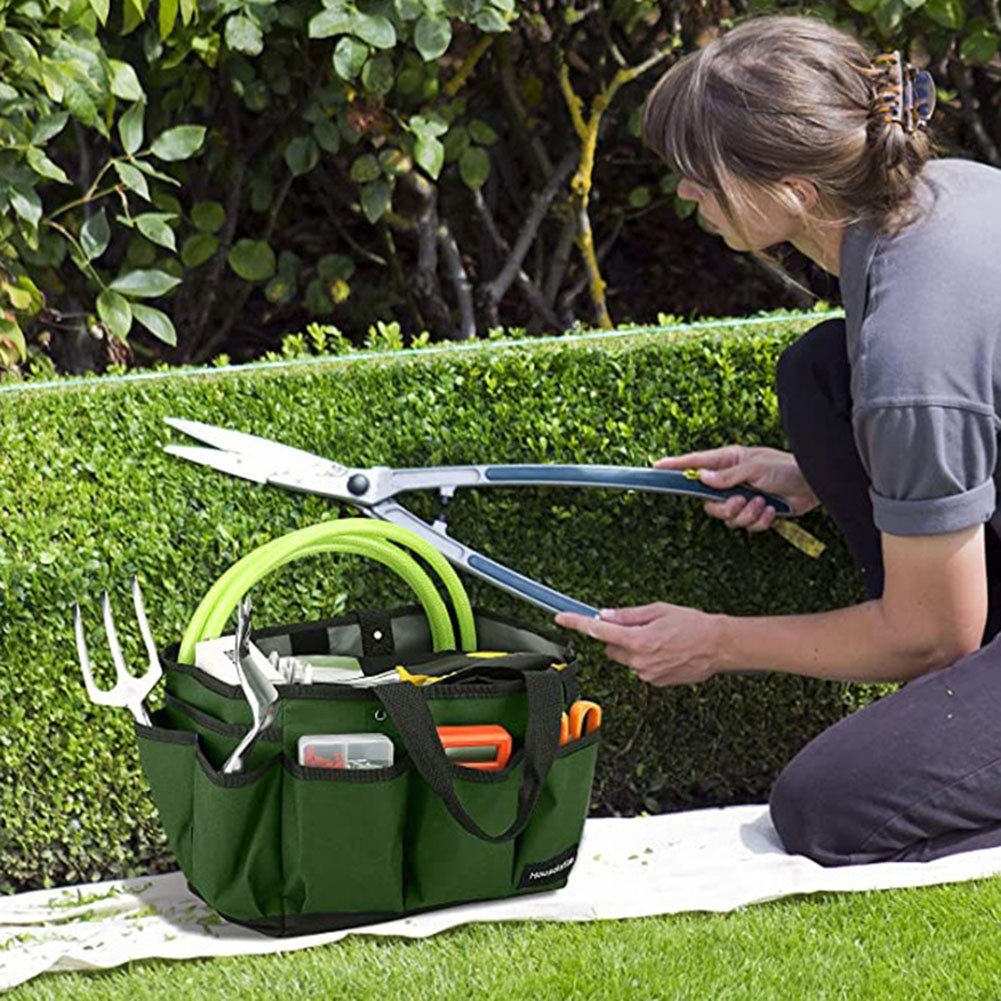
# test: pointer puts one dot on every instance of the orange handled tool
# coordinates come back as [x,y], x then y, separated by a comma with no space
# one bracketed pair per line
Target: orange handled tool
[486,746]
[584,718]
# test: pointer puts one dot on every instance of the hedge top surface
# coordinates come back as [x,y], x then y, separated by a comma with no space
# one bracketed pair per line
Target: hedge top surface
[596,337]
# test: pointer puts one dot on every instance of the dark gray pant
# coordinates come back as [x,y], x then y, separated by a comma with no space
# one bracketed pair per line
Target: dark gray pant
[917,774]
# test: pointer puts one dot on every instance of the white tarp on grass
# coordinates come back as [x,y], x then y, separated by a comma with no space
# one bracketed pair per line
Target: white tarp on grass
[703,860]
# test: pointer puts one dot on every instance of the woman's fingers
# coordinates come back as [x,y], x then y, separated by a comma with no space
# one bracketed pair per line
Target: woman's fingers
[737,512]
[713,458]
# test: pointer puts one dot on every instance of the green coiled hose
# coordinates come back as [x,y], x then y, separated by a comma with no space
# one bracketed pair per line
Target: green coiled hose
[360,536]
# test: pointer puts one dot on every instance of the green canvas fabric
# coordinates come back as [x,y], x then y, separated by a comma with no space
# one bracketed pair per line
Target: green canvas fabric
[289,850]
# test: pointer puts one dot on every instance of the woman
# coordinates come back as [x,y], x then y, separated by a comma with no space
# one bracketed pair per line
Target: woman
[785,130]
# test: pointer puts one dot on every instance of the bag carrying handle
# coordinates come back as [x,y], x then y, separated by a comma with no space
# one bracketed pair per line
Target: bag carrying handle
[360,536]
[407,707]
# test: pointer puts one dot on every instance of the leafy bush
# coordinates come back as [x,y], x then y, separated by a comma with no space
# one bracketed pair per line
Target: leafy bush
[263,163]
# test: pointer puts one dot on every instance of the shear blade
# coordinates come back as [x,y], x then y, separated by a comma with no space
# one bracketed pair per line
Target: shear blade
[226,462]
[242,444]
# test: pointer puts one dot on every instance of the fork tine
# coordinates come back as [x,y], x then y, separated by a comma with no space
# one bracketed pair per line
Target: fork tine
[155,669]
[93,692]
[121,670]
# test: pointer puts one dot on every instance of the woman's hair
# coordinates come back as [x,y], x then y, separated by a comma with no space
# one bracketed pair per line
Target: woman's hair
[779,96]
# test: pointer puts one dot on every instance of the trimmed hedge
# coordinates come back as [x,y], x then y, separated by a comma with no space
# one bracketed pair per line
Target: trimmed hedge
[89,498]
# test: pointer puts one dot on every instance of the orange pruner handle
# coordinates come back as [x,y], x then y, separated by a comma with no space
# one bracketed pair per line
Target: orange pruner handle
[486,746]
[584,718]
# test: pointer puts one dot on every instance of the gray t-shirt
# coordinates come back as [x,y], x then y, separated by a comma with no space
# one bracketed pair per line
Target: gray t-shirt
[923,319]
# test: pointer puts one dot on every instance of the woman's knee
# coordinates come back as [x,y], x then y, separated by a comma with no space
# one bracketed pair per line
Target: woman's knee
[815,812]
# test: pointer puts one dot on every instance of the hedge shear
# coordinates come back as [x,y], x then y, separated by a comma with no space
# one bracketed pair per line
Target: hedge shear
[374,490]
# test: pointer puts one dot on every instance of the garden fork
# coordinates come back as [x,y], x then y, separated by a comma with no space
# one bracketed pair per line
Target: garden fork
[128,691]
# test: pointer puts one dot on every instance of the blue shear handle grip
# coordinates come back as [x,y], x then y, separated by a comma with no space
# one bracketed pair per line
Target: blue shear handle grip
[529,589]
[666,480]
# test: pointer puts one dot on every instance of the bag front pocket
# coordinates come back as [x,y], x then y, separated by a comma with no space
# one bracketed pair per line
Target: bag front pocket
[546,850]
[447,864]
[343,832]
[236,863]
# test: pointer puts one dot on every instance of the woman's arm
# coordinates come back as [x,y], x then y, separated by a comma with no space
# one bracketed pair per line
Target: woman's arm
[932,613]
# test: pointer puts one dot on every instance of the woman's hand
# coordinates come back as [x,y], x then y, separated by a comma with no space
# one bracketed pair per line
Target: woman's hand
[663,644]
[768,470]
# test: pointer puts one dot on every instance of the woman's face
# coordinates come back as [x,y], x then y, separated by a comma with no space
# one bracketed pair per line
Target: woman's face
[768,221]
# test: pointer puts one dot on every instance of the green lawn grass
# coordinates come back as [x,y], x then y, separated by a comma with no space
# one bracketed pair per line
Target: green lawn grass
[941,942]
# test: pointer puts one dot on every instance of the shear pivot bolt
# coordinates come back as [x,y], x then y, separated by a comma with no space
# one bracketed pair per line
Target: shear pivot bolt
[358,484]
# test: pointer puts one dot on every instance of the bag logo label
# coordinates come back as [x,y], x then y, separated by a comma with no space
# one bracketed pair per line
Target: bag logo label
[551,869]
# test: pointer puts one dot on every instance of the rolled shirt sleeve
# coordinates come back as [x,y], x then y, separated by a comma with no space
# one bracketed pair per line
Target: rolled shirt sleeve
[931,467]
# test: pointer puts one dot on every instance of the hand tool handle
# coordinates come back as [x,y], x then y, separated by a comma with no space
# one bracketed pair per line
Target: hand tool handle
[669,481]
[525,587]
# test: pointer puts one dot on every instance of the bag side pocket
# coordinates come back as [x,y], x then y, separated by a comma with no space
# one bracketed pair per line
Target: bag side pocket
[219,739]
[236,861]
[547,849]
[168,758]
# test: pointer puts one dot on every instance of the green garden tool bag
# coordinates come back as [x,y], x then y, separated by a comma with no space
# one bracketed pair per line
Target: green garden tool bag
[289,849]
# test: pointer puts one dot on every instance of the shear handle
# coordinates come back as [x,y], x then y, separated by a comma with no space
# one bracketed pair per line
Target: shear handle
[668,481]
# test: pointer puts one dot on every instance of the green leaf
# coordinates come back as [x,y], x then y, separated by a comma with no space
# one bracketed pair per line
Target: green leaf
[145,284]
[95,235]
[482,133]
[150,171]
[114,310]
[124,82]
[167,17]
[252,260]
[377,74]
[12,337]
[948,13]
[408,10]
[179,142]
[130,128]
[153,225]
[490,21]
[133,14]
[198,248]
[365,168]
[421,125]
[888,16]
[640,196]
[243,35]
[327,135]
[41,164]
[48,127]
[332,266]
[375,29]
[156,322]
[474,167]
[863,6]
[979,47]
[429,153]
[349,57]
[100,8]
[432,36]
[132,179]
[375,199]
[330,22]
[302,155]
[208,217]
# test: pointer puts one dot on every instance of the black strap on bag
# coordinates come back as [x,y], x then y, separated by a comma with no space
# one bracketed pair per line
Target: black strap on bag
[407,707]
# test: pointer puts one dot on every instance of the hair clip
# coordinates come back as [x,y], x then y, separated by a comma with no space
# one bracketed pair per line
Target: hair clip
[909,97]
